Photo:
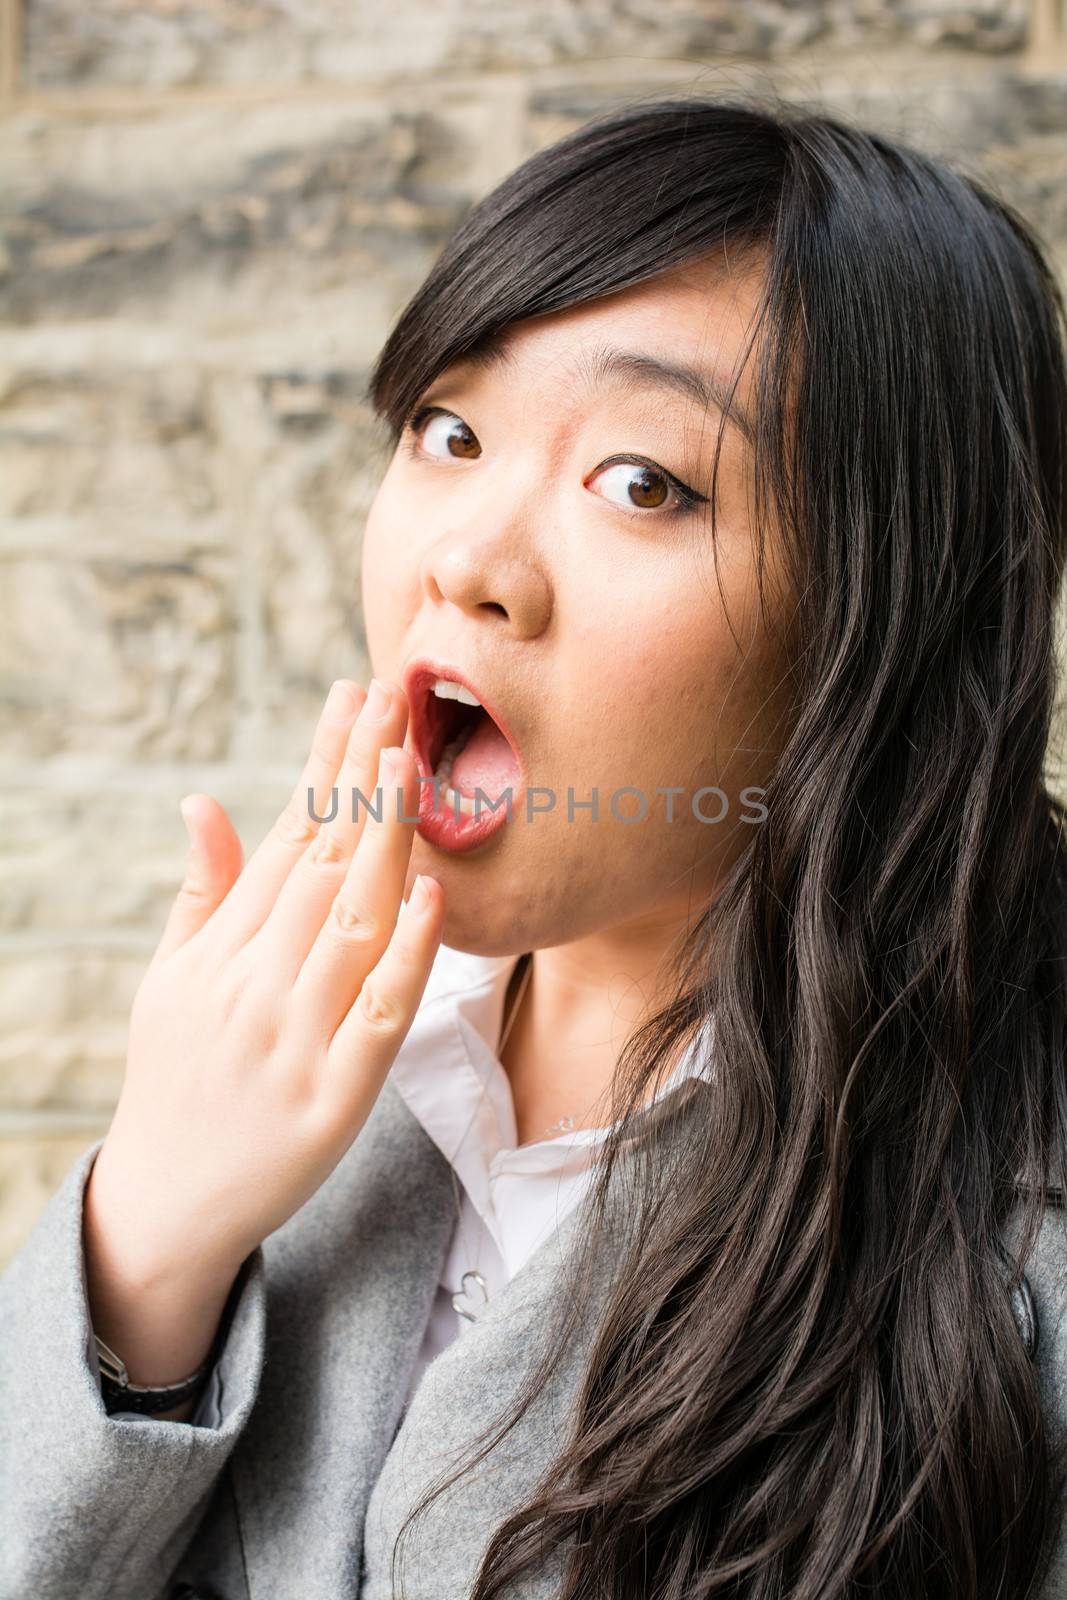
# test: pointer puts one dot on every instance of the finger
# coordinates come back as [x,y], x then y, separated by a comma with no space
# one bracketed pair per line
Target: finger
[304,900]
[256,890]
[360,920]
[371,1032]
[212,867]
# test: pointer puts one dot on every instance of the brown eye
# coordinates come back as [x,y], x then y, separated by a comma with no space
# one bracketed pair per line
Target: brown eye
[647,488]
[448,435]
[634,484]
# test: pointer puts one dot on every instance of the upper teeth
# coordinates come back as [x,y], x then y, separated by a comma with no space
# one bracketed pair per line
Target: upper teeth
[446,689]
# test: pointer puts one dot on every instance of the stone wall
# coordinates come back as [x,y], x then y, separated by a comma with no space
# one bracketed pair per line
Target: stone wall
[209,215]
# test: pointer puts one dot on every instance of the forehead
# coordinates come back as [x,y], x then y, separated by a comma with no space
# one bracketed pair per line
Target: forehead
[681,336]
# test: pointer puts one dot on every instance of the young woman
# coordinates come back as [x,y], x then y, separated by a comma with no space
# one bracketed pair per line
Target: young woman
[661,1201]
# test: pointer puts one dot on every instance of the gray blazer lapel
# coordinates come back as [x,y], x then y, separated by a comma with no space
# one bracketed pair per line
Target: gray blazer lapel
[472,1383]
[468,1385]
[350,1281]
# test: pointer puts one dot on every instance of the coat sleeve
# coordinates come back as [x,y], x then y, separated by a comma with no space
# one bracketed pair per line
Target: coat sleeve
[1046,1276]
[94,1507]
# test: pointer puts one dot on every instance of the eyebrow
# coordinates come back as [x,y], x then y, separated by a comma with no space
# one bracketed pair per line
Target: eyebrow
[637,369]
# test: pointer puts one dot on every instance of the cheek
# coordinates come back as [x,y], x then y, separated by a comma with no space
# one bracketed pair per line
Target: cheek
[389,577]
[678,703]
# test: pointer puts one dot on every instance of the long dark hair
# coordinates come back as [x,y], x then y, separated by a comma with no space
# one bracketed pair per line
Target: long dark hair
[808,1380]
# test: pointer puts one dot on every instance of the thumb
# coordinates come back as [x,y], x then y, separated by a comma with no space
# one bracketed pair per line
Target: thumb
[213,865]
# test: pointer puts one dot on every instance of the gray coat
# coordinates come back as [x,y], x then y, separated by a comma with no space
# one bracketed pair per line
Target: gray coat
[300,1492]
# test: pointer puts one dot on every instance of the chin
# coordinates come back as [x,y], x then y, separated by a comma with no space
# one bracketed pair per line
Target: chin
[481,916]
[494,952]
[472,934]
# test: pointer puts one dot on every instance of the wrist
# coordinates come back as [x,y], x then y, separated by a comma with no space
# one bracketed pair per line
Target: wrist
[155,1306]
[120,1393]
[144,1244]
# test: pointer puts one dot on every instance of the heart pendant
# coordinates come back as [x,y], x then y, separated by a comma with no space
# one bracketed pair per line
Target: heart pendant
[470,1303]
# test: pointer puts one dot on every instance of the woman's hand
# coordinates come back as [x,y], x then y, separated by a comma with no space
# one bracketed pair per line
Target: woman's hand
[268,1019]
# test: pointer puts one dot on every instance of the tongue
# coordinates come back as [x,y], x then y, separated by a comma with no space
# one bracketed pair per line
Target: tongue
[486,762]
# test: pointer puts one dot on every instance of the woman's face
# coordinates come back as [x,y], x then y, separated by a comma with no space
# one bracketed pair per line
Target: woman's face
[543,534]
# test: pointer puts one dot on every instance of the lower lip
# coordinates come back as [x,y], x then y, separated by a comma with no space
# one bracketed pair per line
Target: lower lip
[449,828]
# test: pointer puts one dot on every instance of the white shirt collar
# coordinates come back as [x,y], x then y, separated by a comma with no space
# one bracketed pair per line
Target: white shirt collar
[452,1080]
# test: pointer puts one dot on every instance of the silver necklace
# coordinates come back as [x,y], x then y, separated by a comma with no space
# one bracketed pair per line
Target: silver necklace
[565,1123]
[472,1296]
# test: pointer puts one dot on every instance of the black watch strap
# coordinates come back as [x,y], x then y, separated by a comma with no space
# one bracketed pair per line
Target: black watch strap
[120,1394]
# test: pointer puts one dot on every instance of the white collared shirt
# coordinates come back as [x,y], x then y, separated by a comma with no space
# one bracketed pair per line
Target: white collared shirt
[511,1196]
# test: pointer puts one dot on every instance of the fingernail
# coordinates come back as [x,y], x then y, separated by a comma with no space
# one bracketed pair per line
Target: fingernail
[419,898]
[376,704]
[183,807]
[388,769]
[340,702]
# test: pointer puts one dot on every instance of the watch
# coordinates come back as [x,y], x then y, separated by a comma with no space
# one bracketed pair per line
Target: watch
[122,1395]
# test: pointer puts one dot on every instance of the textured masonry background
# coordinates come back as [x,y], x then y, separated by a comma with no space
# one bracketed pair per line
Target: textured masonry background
[209,215]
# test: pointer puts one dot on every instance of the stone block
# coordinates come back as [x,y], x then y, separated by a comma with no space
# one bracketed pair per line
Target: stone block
[320,456]
[80,859]
[116,458]
[116,657]
[64,1015]
[268,208]
[161,45]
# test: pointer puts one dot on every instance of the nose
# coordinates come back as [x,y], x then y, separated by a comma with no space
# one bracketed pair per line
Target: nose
[486,580]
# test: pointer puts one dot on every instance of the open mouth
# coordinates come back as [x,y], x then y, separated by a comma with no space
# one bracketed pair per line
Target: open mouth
[460,741]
